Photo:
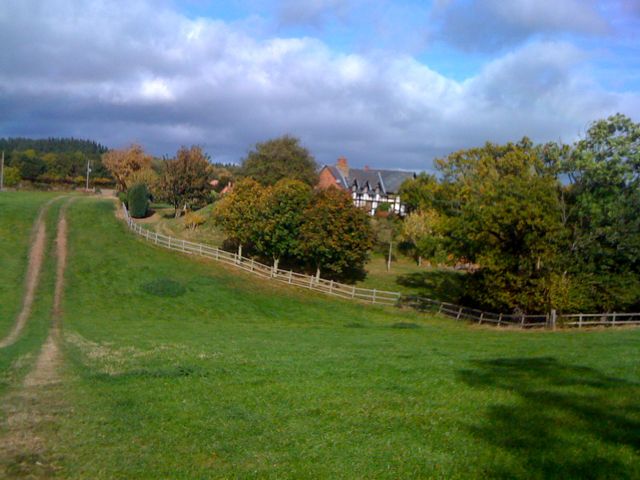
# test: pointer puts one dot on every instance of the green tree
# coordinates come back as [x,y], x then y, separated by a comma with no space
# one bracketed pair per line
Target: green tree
[138,200]
[280,158]
[238,212]
[336,236]
[508,220]
[281,216]
[423,234]
[11,176]
[29,163]
[184,183]
[603,204]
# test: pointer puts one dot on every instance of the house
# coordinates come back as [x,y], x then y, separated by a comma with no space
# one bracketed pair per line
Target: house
[369,187]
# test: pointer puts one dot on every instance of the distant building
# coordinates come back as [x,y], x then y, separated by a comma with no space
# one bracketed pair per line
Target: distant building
[368,187]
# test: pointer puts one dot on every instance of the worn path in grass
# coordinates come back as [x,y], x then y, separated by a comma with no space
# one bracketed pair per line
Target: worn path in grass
[36,256]
[36,406]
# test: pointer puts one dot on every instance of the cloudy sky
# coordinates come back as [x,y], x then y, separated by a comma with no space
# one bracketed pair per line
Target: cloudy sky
[385,83]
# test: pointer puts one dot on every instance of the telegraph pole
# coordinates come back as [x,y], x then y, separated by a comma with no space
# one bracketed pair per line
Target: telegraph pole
[2,172]
[88,172]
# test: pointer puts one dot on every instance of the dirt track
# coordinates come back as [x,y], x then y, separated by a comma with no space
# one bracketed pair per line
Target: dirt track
[35,407]
[36,257]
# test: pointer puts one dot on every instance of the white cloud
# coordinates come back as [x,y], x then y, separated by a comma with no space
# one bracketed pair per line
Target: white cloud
[154,76]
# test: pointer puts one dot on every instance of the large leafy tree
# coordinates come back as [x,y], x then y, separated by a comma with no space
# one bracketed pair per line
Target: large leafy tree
[124,162]
[603,204]
[281,216]
[185,179]
[336,236]
[279,158]
[239,212]
[29,163]
[507,219]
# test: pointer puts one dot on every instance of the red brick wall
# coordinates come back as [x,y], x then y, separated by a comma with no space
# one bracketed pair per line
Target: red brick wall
[326,179]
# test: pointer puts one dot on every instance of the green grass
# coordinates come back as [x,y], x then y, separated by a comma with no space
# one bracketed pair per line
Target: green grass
[18,358]
[163,221]
[408,278]
[18,212]
[234,378]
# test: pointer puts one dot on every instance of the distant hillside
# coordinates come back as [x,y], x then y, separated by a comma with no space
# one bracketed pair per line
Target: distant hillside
[53,145]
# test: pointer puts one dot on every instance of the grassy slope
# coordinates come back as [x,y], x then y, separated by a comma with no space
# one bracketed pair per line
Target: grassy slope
[18,211]
[233,378]
[16,359]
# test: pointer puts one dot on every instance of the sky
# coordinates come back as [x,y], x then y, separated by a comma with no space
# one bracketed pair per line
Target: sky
[389,84]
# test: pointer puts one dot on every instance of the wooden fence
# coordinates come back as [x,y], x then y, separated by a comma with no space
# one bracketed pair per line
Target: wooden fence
[329,287]
[382,297]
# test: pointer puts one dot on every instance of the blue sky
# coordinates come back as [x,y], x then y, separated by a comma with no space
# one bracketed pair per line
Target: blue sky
[386,83]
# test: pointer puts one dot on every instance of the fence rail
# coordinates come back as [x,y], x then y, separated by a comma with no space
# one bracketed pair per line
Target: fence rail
[383,297]
[329,287]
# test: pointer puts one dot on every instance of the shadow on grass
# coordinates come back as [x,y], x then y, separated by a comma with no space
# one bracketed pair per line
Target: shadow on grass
[444,285]
[567,421]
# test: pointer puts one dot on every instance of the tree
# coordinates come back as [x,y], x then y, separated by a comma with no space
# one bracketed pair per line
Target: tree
[603,202]
[423,232]
[138,200]
[238,212]
[507,219]
[281,216]
[11,176]
[185,179]
[31,166]
[280,158]
[123,163]
[335,236]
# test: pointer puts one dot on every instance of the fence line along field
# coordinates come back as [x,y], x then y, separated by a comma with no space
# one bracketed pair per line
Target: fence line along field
[381,297]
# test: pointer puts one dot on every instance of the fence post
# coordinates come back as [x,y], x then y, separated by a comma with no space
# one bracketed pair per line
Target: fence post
[614,318]
[290,275]
[353,292]
[252,262]
[156,238]
[200,249]
[440,308]
[373,297]
[169,243]
[459,313]
[580,321]
[521,320]
[481,317]
[499,319]
[217,253]
[331,286]
[553,318]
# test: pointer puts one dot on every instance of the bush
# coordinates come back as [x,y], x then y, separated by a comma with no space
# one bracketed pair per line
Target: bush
[192,220]
[11,176]
[122,196]
[138,197]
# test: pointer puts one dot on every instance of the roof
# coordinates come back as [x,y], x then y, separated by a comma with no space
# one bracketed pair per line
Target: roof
[388,181]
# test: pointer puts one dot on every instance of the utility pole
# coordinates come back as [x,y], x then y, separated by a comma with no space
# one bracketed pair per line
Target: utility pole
[2,172]
[88,172]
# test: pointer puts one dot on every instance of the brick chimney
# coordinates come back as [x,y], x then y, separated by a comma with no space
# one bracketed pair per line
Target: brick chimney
[343,166]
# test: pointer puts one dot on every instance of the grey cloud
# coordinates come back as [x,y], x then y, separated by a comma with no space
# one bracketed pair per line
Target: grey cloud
[488,25]
[163,80]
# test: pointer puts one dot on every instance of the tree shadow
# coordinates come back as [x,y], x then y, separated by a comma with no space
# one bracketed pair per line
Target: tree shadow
[567,421]
[444,285]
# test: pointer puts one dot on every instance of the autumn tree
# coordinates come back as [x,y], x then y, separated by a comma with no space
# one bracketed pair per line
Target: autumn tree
[238,212]
[123,163]
[336,236]
[185,179]
[507,220]
[281,217]
[423,233]
[279,158]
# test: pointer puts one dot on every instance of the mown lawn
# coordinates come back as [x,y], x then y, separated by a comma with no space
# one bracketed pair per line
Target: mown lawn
[178,368]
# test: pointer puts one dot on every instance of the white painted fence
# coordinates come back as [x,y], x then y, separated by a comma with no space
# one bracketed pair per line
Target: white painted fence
[328,287]
[383,297]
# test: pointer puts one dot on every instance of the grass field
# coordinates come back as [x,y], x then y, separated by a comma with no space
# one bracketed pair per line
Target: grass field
[404,276]
[178,368]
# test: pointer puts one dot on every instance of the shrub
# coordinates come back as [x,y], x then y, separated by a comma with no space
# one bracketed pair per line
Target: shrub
[138,197]
[192,220]
[11,176]
[122,196]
